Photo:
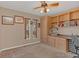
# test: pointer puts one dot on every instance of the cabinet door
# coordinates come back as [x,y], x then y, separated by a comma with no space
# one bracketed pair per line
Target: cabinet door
[51,41]
[75,15]
[61,44]
[64,17]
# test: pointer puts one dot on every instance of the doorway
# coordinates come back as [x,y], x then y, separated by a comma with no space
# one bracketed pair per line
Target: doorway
[31,29]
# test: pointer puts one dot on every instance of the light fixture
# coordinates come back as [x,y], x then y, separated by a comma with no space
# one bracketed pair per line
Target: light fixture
[44,10]
[41,11]
[48,10]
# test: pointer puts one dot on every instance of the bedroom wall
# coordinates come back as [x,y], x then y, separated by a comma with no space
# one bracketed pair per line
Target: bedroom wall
[13,35]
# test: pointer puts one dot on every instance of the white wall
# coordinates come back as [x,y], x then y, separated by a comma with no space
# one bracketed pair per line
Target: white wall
[69,30]
[13,35]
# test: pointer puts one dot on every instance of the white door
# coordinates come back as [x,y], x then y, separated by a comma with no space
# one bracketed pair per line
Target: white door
[32,29]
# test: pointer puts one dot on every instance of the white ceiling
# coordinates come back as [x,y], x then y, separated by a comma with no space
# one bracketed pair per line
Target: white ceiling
[27,6]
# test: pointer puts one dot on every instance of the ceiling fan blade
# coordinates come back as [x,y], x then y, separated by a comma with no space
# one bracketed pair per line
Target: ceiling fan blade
[53,5]
[37,7]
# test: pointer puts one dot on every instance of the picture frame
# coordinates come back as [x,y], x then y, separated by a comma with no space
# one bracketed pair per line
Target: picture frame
[7,20]
[19,19]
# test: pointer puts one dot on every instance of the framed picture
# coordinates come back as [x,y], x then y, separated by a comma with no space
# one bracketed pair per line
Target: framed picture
[7,20]
[19,19]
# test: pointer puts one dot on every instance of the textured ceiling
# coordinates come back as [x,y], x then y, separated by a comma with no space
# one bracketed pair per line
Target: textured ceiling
[27,6]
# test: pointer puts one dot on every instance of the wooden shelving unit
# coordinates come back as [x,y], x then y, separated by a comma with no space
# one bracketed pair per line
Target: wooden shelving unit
[70,17]
[59,20]
[50,21]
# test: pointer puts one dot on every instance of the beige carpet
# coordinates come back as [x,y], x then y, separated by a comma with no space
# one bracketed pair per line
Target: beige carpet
[34,51]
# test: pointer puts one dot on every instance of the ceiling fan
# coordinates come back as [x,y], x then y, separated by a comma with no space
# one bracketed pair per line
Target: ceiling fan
[44,6]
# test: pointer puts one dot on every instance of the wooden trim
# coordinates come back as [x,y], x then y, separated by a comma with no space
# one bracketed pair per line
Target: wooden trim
[25,19]
[18,46]
[67,45]
[62,14]
[71,10]
[54,17]
[54,22]
[36,28]
[69,15]
[74,11]
[25,28]
[58,18]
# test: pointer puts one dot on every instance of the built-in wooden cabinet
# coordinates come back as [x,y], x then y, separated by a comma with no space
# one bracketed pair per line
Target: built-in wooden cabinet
[51,41]
[70,17]
[51,21]
[63,17]
[60,20]
[74,14]
[58,43]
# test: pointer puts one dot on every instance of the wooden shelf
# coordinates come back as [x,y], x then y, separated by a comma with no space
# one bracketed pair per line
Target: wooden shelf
[66,17]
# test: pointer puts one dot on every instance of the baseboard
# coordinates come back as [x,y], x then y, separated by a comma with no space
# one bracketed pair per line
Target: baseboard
[19,46]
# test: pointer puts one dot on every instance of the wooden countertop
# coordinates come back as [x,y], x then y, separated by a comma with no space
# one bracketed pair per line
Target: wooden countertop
[61,36]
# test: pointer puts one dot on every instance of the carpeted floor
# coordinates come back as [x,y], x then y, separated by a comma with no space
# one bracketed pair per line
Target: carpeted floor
[34,51]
